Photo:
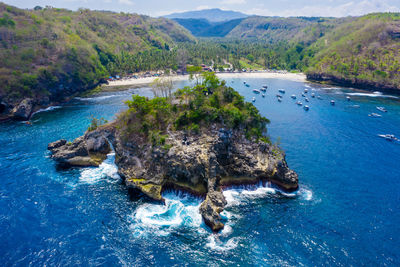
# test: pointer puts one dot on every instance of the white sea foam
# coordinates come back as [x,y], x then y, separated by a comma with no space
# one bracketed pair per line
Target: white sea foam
[374,94]
[46,109]
[178,211]
[107,169]
[214,242]
[97,98]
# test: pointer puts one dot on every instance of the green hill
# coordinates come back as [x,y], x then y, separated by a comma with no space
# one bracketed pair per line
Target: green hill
[205,28]
[48,54]
[362,53]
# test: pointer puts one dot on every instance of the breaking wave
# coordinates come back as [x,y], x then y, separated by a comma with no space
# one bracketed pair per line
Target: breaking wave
[107,169]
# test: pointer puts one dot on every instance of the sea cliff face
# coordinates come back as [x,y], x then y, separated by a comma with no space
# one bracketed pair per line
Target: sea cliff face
[201,164]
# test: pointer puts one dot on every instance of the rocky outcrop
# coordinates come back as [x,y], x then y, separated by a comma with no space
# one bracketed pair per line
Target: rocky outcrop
[88,150]
[202,164]
[23,110]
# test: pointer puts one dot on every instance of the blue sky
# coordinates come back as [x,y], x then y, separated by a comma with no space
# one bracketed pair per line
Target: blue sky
[334,8]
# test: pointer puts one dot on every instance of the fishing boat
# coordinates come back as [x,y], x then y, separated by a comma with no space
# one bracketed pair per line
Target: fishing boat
[306,108]
[381,109]
[389,137]
[299,103]
[332,102]
[374,115]
[256,91]
[293,96]
[282,91]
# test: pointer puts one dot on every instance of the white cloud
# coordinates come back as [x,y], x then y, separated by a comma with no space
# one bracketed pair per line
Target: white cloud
[125,2]
[202,7]
[348,9]
[233,2]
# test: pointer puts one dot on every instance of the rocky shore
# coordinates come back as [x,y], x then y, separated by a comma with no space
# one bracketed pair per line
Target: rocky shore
[353,83]
[201,164]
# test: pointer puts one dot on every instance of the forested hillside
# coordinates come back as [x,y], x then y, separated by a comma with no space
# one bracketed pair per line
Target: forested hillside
[363,53]
[48,54]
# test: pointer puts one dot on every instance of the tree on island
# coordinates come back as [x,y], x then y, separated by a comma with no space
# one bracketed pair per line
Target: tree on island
[195,73]
[162,87]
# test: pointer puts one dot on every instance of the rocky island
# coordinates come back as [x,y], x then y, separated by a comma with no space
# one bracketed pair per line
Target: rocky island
[197,140]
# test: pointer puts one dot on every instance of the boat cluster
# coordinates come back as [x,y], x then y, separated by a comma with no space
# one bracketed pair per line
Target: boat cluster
[304,94]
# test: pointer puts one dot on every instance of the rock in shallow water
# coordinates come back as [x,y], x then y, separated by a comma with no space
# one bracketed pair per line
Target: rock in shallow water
[88,150]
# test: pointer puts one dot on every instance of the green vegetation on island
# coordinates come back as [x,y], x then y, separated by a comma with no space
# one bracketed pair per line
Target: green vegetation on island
[192,109]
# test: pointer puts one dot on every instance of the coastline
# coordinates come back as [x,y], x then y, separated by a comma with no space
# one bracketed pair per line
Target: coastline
[147,80]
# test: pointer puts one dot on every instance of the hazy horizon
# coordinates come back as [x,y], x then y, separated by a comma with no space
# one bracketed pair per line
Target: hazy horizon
[286,8]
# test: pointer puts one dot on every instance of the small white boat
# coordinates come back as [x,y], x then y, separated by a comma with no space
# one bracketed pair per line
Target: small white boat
[256,91]
[374,115]
[263,95]
[319,97]
[381,109]
[306,99]
[282,91]
[332,102]
[244,82]
[348,98]
[253,99]
[389,137]
[306,90]
[303,95]
[306,108]
[263,89]
[293,96]
[279,99]
[299,103]
[313,95]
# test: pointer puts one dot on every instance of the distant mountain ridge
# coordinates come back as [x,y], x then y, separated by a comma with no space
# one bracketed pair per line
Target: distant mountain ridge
[212,15]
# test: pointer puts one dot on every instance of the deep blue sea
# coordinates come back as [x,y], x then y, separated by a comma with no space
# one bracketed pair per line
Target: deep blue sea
[345,213]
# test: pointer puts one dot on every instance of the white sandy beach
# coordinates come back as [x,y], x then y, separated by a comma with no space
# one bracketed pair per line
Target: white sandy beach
[262,75]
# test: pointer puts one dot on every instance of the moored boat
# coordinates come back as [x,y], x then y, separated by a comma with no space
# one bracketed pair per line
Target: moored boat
[306,108]
[333,102]
[299,103]
[374,115]
[306,99]
[381,109]
[293,96]
[348,98]
[256,91]
[253,99]
[389,137]
[313,95]
[282,91]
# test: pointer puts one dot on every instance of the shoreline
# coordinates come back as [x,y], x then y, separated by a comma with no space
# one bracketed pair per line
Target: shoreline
[301,77]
